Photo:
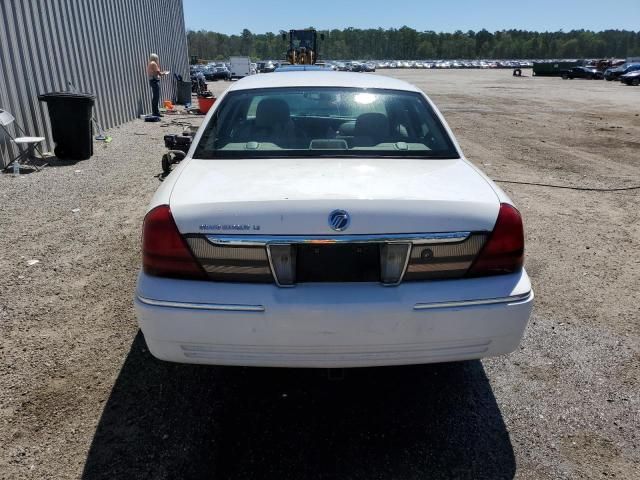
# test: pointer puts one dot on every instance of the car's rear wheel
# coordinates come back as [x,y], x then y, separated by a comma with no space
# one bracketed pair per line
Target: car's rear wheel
[565,76]
[635,82]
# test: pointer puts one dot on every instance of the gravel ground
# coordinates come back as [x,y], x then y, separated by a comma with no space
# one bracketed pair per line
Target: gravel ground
[80,396]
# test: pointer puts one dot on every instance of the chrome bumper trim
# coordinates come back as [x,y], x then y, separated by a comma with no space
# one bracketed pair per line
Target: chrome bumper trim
[202,306]
[413,238]
[471,303]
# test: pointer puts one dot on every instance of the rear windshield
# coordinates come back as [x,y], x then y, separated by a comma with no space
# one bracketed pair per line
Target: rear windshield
[298,122]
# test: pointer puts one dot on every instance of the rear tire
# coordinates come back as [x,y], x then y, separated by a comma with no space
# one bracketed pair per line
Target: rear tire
[635,82]
[565,76]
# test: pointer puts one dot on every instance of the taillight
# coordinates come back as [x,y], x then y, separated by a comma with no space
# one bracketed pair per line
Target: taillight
[164,252]
[504,250]
[231,263]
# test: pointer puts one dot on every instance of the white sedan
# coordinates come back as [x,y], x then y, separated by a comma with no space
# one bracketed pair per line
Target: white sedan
[325,219]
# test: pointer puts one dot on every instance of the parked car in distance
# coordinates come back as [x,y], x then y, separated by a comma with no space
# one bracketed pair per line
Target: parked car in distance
[582,72]
[631,78]
[266,67]
[329,219]
[615,73]
[208,72]
[217,73]
[329,65]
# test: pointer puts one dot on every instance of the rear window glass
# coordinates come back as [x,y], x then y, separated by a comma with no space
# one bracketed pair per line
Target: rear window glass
[288,122]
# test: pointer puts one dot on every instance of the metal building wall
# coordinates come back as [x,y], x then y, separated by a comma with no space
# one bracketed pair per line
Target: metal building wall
[99,46]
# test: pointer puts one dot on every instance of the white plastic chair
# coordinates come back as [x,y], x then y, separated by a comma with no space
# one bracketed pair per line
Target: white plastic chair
[26,145]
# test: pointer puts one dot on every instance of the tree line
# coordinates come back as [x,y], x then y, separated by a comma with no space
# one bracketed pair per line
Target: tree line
[408,44]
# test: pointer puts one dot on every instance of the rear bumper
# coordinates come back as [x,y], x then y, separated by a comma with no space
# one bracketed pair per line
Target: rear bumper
[332,325]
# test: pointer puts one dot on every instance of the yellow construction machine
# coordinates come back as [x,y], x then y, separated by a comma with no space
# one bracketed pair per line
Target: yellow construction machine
[303,46]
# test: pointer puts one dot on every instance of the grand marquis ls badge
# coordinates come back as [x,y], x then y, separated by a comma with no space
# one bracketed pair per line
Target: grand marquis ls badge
[339,220]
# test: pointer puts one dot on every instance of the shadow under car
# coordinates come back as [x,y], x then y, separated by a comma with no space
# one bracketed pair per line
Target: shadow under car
[172,421]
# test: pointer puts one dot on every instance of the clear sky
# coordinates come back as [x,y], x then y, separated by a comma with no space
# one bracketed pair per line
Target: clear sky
[260,16]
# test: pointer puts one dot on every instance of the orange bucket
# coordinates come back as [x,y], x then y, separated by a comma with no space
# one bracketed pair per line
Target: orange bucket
[205,103]
[168,105]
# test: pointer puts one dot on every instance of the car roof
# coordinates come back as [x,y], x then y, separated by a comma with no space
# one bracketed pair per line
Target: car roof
[321,79]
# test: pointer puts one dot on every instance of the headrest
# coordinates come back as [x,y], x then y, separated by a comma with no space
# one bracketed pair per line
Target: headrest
[374,125]
[272,111]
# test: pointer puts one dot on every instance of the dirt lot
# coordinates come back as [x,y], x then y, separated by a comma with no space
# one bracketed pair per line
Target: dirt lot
[80,396]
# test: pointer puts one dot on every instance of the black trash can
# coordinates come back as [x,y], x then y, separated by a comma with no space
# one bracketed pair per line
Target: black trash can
[183,92]
[70,114]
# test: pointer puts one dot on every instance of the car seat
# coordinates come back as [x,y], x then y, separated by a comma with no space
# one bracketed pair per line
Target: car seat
[370,129]
[273,123]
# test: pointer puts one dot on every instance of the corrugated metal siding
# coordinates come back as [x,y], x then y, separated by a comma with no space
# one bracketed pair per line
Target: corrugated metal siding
[99,46]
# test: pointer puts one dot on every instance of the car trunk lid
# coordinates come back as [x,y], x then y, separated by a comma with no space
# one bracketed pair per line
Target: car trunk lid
[296,196]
